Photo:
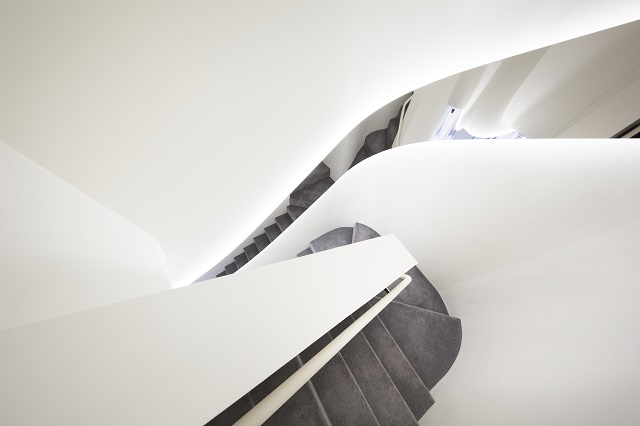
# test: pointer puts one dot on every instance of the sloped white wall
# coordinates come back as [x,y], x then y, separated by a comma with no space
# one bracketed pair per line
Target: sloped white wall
[195,120]
[63,252]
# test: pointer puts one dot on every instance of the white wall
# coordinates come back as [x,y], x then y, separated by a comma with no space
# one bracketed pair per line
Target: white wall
[63,252]
[194,121]
[534,245]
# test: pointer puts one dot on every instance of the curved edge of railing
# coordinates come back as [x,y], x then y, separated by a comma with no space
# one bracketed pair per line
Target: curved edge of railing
[272,402]
[396,141]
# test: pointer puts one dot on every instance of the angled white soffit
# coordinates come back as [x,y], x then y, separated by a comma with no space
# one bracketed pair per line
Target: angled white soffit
[194,120]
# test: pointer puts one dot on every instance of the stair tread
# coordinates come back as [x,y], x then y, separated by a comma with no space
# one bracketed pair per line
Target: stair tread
[383,397]
[295,211]
[404,376]
[233,413]
[231,268]
[306,196]
[421,293]
[375,142]
[262,241]
[251,250]
[321,171]
[283,221]
[362,233]
[335,238]
[272,231]
[305,252]
[430,353]
[241,260]
[337,389]
[302,408]
[221,274]
[360,156]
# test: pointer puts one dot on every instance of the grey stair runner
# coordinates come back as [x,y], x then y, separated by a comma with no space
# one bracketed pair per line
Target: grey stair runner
[407,381]
[262,241]
[295,211]
[231,268]
[251,251]
[332,239]
[383,397]
[283,221]
[221,274]
[308,195]
[272,232]
[392,130]
[321,172]
[430,341]
[233,413]
[305,252]
[303,408]
[376,142]
[338,391]
[421,293]
[360,156]
[362,232]
[241,260]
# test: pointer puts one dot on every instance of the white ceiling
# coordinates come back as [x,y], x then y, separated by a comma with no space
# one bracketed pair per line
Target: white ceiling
[193,120]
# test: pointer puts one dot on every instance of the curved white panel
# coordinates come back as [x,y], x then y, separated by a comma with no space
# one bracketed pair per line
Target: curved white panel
[195,120]
[534,246]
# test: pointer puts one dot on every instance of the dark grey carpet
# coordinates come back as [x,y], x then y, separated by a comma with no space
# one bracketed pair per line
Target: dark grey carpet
[302,409]
[405,378]
[262,241]
[375,142]
[272,231]
[363,232]
[231,268]
[321,171]
[430,341]
[338,391]
[221,274]
[421,293]
[385,400]
[251,251]
[295,211]
[332,239]
[284,221]
[360,156]
[392,131]
[305,252]
[306,196]
[241,260]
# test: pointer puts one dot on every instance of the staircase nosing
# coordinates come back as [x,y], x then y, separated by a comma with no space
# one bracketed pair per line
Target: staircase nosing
[315,393]
[422,309]
[358,385]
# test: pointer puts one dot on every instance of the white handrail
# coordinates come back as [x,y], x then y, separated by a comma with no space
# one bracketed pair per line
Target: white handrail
[272,402]
[396,141]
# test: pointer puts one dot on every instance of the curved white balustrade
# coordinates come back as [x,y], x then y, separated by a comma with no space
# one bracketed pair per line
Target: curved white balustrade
[533,244]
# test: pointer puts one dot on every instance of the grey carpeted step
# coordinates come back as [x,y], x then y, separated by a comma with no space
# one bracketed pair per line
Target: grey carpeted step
[421,293]
[360,156]
[375,142]
[295,211]
[338,391]
[241,260]
[251,251]
[362,232]
[430,341]
[233,413]
[321,172]
[332,239]
[305,252]
[306,196]
[262,241]
[272,232]
[392,131]
[405,378]
[383,397]
[231,268]
[303,408]
[283,221]
[221,274]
